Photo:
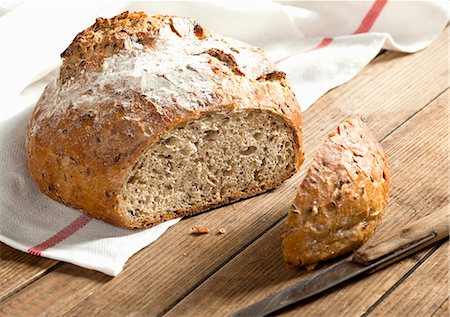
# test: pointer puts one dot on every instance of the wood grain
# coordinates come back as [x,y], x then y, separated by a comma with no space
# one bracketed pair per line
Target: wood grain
[435,224]
[18,269]
[387,92]
[443,310]
[65,284]
[422,292]
[259,270]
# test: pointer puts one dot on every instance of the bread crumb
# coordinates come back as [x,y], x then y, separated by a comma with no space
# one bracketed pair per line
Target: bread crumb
[310,267]
[222,231]
[314,208]
[184,254]
[199,230]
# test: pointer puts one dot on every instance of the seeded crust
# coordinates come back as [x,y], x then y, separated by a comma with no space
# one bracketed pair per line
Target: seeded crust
[125,83]
[342,198]
[109,36]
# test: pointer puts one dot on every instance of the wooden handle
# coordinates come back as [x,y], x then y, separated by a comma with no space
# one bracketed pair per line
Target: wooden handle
[435,226]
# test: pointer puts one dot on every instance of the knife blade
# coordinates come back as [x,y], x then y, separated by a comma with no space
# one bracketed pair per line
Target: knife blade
[371,257]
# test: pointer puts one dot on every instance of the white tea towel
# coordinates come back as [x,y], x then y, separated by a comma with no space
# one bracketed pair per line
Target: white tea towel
[320,45]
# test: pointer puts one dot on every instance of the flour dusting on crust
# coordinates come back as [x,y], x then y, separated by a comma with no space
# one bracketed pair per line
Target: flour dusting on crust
[172,73]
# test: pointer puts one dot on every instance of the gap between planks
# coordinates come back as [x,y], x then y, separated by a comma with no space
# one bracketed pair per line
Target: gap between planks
[30,281]
[403,278]
[15,265]
[415,113]
[212,272]
[443,309]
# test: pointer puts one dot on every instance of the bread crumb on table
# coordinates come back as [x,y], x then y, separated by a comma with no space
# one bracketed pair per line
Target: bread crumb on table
[222,231]
[199,230]
[310,267]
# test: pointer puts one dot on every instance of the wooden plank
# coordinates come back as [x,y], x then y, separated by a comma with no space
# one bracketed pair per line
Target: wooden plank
[443,310]
[19,269]
[419,185]
[422,292]
[155,278]
[65,283]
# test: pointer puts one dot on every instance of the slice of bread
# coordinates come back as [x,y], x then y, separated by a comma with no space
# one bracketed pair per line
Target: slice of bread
[342,198]
[207,162]
[155,117]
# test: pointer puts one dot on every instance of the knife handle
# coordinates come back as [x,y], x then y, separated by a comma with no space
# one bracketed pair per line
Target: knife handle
[430,229]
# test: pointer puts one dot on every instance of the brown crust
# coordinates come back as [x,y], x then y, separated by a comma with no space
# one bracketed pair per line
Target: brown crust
[84,139]
[342,198]
[107,37]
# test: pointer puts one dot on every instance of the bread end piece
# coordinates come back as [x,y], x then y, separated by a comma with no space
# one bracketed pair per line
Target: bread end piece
[341,200]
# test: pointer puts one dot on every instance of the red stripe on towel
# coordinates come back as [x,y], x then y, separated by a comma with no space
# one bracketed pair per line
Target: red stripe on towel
[366,24]
[325,42]
[73,227]
[371,16]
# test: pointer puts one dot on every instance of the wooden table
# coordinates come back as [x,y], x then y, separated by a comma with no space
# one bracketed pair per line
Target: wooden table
[404,99]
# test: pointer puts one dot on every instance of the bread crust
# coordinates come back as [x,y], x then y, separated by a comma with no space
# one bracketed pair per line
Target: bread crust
[124,83]
[342,198]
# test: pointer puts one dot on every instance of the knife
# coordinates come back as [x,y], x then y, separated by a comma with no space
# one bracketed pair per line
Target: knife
[371,257]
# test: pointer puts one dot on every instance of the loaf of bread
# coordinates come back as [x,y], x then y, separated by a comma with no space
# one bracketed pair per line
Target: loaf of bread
[155,117]
[342,198]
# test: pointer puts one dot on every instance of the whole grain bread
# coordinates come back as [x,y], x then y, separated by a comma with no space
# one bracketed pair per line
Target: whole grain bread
[156,117]
[342,198]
